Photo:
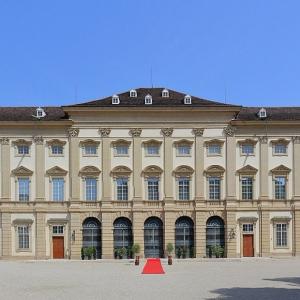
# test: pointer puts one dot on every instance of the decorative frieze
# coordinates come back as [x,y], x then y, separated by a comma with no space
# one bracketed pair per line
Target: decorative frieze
[135,132]
[229,130]
[38,140]
[4,141]
[198,131]
[104,132]
[73,132]
[167,131]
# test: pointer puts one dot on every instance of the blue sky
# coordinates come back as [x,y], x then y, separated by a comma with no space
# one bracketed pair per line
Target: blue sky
[62,52]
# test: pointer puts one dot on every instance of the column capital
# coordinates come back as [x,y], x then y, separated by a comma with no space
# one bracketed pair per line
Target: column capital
[198,131]
[104,132]
[263,139]
[135,132]
[4,141]
[73,132]
[296,139]
[167,131]
[38,140]
[229,130]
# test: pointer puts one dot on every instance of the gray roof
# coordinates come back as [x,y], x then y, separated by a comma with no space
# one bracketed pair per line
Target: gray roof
[174,99]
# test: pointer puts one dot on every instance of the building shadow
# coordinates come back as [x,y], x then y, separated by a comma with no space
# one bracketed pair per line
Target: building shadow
[295,281]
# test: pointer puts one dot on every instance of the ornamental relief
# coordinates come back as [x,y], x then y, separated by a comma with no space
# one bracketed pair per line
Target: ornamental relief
[135,132]
[38,140]
[198,131]
[104,132]
[4,141]
[167,131]
[229,130]
[73,132]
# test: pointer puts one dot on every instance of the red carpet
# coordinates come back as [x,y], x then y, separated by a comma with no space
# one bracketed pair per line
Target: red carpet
[153,266]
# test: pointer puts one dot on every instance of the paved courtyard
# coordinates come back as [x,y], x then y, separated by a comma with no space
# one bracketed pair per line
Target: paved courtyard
[198,279]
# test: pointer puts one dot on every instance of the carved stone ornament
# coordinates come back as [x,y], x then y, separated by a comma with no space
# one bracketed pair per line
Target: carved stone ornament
[229,130]
[263,139]
[4,141]
[198,131]
[56,171]
[296,139]
[73,132]
[104,132]
[167,131]
[22,171]
[39,140]
[135,132]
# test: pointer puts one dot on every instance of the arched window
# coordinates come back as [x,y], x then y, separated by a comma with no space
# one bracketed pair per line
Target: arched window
[122,237]
[153,237]
[184,237]
[215,237]
[91,235]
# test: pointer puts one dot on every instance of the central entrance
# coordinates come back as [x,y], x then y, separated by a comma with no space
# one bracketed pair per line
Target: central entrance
[248,249]
[153,237]
[58,247]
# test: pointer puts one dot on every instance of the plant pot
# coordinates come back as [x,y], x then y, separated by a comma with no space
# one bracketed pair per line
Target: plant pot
[137,260]
[170,261]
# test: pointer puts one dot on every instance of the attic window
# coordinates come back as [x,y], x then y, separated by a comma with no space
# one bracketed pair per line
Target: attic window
[133,94]
[115,99]
[187,99]
[165,93]
[262,113]
[148,99]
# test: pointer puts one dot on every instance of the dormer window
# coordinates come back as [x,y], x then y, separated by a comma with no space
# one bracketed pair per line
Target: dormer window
[165,93]
[148,99]
[187,99]
[40,113]
[133,94]
[262,114]
[115,99]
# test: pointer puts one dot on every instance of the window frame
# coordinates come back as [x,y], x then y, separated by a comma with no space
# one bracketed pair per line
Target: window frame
[126,178]
[85,178]
[18,188]
[210,177]
[243,176]
[242,153]
[157,180]
[188,192]
[285,187]
[187,146]
[53,178]
[275,235]
[152,154]
[28,234]
[57,154]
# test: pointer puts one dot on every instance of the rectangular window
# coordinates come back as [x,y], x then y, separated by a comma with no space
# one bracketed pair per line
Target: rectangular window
[183,150]
[90,189]
[214,149]
[280,187]
[122,189]
[23,149]
[23,236]
[58,229]
[184,188]
[247,149]
[122,150]
[23,188]
[280,149]
[281,235]
[152,150]
[57,150]
[58,188]
[214,188]
[153,189]
[247,188]
[247,227]
[90,150]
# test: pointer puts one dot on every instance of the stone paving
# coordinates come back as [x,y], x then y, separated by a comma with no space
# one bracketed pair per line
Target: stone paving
[187,279]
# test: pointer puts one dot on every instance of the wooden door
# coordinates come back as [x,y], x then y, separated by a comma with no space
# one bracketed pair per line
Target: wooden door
[248,250]
[58,246]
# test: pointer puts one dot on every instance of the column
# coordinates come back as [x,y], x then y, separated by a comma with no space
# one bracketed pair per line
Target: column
[265,233]
[199,164]
[296,242]
[200,234]
[169,228]
[137,163]
[76,235]
[40,236]
[39,168]
[107,235]
[231,234]
[5,169]
[6,235]
[74,164]
[264,169]
[296,168]
[168,163]
[138,230]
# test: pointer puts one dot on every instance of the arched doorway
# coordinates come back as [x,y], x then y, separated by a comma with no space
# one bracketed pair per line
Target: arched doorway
[215,237]
[184,237]
[91,235]
[122,237]
[153,237]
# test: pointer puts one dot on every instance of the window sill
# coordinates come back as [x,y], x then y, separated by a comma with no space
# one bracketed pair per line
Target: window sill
[89,155]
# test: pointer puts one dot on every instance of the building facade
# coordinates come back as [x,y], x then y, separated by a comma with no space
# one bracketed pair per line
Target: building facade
[149,166]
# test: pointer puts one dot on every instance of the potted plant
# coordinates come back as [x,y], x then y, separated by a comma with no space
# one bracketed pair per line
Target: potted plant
[82,253]
[170,249]
[184,252]
[123,252]
[135,251]
[179,252]
[94,252]
[88,252]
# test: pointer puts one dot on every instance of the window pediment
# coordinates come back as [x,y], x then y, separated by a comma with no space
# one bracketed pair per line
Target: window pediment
[22,171]
[56,171]
[214,141]
[247,170]
[183,171]
[214,170]
[89,171]
[183,142]
[121,171]
[281,170]
[22,222]
[89,142]
[152,142]
[56,142]
[152,171]
[248,142]
[280,141]
[121,142]
[20,142]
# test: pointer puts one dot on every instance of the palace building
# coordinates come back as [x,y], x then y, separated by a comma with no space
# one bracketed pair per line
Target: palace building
[150,166]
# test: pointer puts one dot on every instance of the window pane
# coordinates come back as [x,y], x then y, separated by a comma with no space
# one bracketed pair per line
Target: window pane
[280,187]
[91,189]
[122,150]
[214,188]
[23,149]
[90,150]
[247,188]
[184,150]
[58,189]
[23,184]
[153,189]
[281,235]
[152,150]
[247,149]
[23,236]
[280,148]
[122,189]
[184,188]
[57,149]
[214,149]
